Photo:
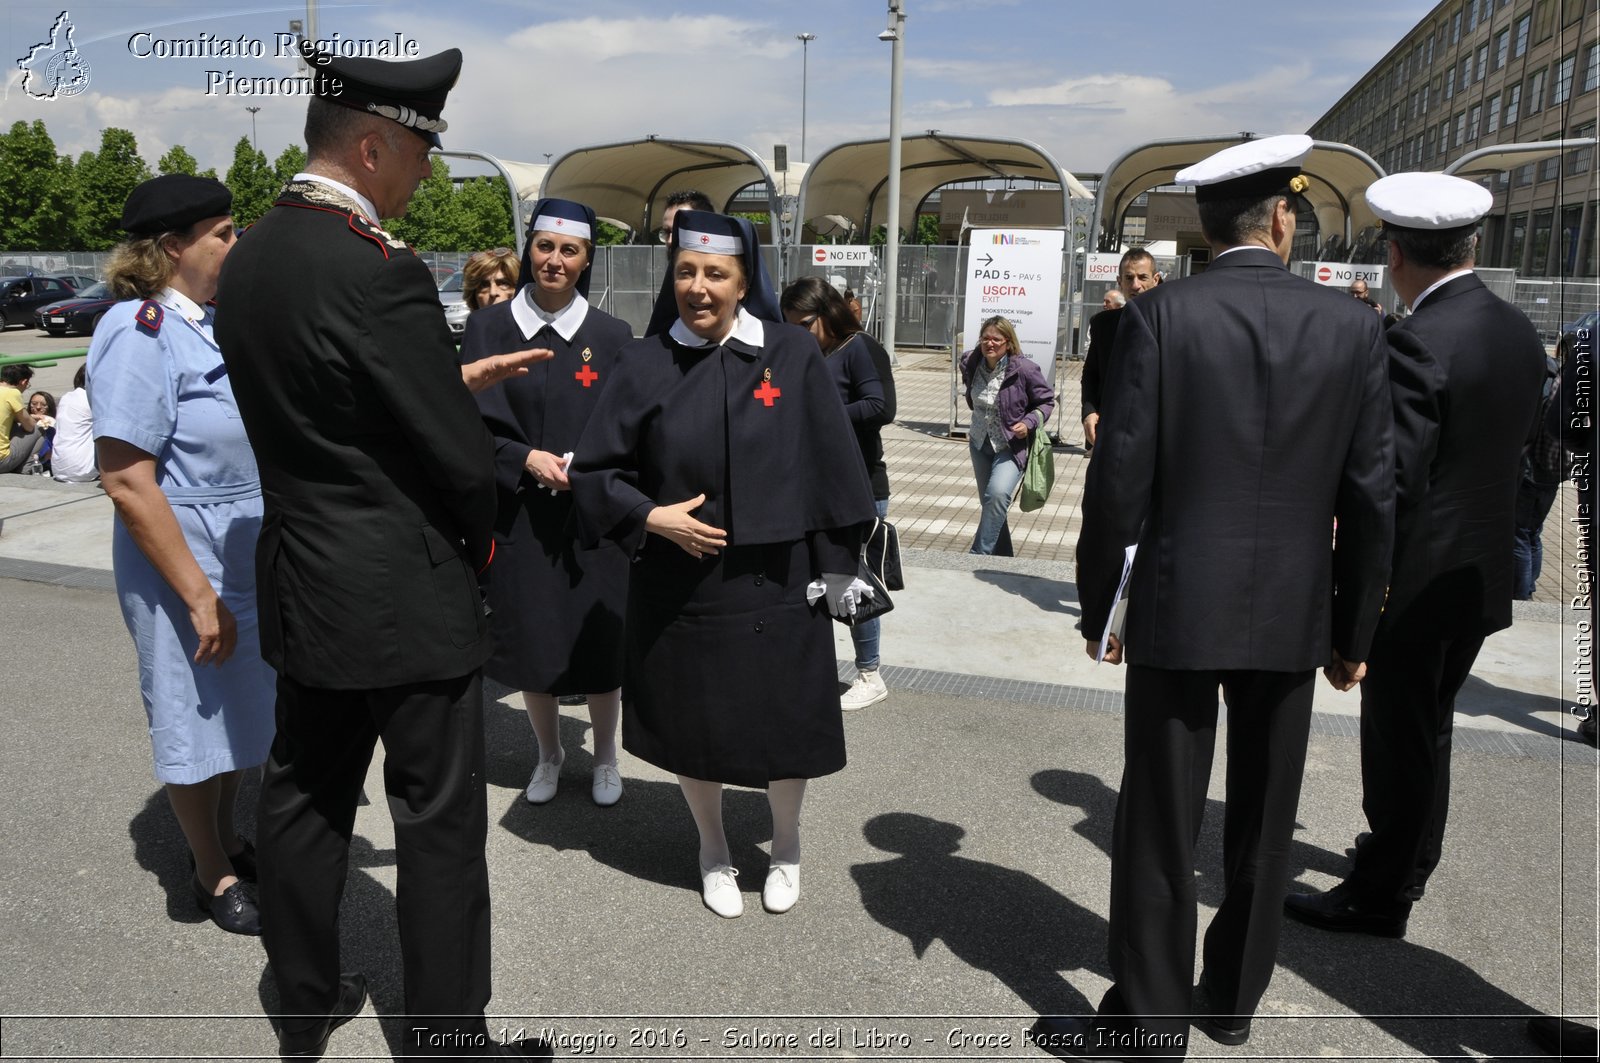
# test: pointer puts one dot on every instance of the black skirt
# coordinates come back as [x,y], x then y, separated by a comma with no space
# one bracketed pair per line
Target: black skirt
[729,676]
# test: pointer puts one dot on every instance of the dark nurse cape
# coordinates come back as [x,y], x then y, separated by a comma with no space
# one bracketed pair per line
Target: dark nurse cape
[729,675]
[557,606]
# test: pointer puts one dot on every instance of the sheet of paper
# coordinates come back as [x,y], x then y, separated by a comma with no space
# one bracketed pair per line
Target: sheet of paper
[1119,610]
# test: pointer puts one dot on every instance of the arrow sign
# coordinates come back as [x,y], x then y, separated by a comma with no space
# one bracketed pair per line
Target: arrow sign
[986,260]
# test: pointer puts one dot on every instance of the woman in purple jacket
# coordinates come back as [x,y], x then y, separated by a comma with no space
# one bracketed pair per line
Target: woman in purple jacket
[1010,400]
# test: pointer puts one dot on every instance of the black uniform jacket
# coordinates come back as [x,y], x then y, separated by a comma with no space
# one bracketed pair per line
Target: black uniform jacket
[1244,409]
[376,470]
[1466,371]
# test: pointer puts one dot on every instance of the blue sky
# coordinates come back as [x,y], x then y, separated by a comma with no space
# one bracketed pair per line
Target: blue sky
[1086,81]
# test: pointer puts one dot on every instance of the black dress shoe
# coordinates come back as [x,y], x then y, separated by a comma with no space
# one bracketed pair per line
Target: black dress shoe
[1335,910]
[1066,1037]
[312,1041]
[1212,1026]
[1563,1038]
[234,910]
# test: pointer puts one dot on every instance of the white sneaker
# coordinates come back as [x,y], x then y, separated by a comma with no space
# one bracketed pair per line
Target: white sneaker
[868,689]
[607,789]
[782,888]
[542,787]
[721,892]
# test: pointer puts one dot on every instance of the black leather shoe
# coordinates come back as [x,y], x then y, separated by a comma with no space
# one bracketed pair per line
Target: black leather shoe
[234,910]
[1335,910]
[1212,1027]
[1066,1037]
[312,1041]
[1563,1038]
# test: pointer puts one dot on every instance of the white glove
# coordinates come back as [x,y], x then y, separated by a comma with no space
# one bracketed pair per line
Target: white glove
[842,593]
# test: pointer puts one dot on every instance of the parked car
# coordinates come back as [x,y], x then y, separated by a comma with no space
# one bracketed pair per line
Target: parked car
[81,313]
[77,281]
[21,296]
[454,302]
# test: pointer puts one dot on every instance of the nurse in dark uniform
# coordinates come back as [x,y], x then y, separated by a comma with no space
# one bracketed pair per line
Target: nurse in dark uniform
[722,461]
[557,618]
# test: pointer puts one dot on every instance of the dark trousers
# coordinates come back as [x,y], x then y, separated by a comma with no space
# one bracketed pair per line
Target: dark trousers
[1168,740]
[432,737]
[1408,702]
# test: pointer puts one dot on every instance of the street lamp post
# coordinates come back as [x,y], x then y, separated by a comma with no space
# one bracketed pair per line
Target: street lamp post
[253,112]
[805,40]
[896,35]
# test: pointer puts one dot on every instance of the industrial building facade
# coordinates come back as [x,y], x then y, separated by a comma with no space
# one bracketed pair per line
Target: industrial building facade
[1476,73]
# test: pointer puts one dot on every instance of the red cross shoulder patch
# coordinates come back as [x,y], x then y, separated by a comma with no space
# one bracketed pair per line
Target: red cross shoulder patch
[766,393]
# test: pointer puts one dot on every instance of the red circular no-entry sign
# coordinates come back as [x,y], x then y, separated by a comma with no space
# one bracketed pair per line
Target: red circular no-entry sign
[1324,274]
[821,255]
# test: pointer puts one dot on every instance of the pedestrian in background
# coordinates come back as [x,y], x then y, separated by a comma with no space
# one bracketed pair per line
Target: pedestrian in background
[1010,400]
[860,367]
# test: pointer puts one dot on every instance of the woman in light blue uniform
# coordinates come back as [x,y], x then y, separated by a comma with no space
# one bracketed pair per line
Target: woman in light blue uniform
[175,461]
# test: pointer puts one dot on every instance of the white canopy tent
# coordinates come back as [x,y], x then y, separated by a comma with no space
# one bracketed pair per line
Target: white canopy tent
[1338,174]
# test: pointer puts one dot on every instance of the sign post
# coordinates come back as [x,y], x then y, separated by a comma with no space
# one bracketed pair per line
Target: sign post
[1016,273]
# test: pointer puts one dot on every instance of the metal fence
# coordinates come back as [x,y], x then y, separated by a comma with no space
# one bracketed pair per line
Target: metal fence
[628,276]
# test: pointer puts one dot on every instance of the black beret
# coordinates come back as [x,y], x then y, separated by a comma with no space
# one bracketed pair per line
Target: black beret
[410,92]
[172,202]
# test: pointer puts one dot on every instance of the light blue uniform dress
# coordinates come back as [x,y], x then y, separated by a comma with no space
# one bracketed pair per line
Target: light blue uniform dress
[157,381]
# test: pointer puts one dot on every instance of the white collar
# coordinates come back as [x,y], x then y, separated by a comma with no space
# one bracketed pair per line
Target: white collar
[746,329]
[1446,279]
[1237,247]
[530,318]
[186,307]
[366,205]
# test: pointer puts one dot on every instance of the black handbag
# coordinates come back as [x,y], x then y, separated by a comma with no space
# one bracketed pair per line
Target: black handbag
[881,553]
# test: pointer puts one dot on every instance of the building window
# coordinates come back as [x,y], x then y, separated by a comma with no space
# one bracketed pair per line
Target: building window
[1482,66]
[1579,159]
[1536,92]
[1544,20]
[1562,88]
[1538,262]
[1461,130]
[1519,237]
[1550,169]
[1455,28]
[1571,229]
[1472,15]
[1494,114]
[1466,72]
[1424,111]
[1513,102]
[1519,45]
[1522,176]
[1475,122]
[1591,68]
[1590,245]
[1502,48]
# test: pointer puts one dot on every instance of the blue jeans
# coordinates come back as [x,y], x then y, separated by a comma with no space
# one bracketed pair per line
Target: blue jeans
[998,476]
[1527,547]
[865,634]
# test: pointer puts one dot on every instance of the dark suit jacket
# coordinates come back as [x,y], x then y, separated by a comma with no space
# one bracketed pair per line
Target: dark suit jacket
[376,469]
[1244,410]
[1102,334]
[1466,371]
